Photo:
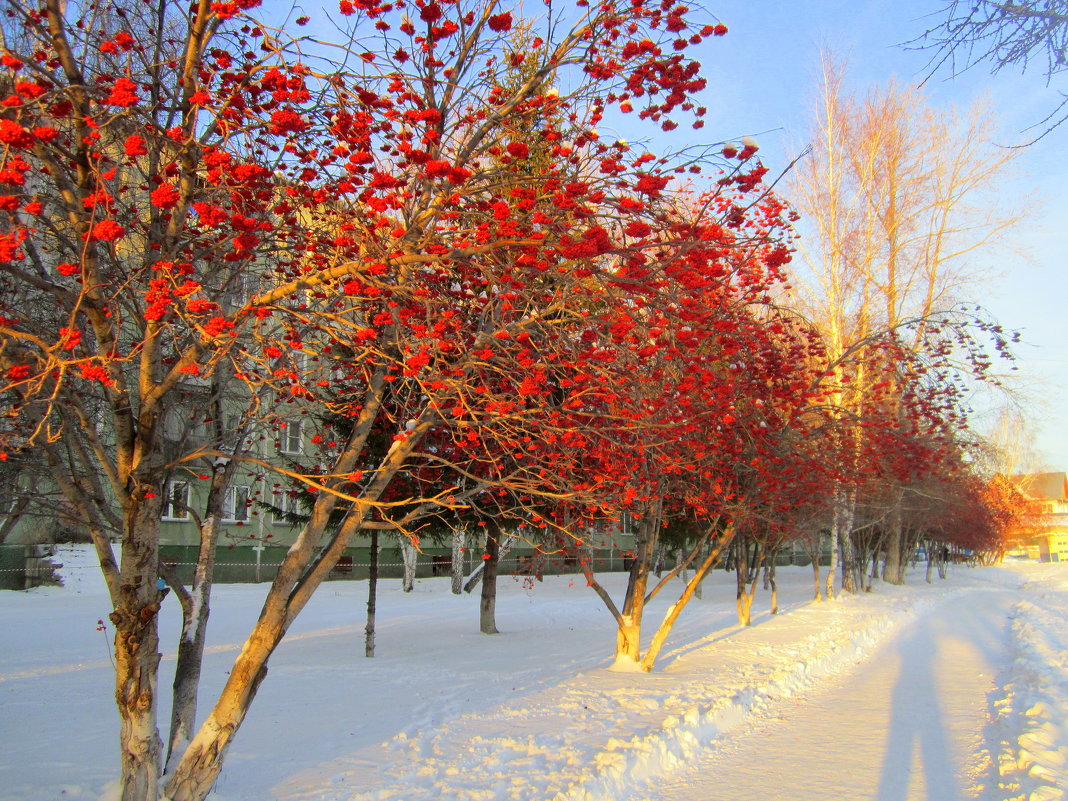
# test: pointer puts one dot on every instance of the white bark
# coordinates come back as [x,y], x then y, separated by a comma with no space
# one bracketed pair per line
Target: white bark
[836,546]
[458,538]
[679,556]
[409,555]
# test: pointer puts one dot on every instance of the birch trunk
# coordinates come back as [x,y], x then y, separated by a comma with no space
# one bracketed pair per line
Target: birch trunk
[815,554]
[457,565]
[679,556]
[372,597]
[409,555]
[836,548]
[851,566]
[136,620]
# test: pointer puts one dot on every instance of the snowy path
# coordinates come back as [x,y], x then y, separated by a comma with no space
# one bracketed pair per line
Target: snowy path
[911,722]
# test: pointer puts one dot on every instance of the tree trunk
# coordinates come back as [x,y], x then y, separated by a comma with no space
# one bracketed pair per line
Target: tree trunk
[698,590]
[372,597]
[744,603]
[845,509]
[190,658]
[305,566]
[196,608]
[849,560]
[871,575]
[715,550]
[476,574]
[774,587]
[628,640]
[743,600]
[14,514]
[136,620]
[487,607]
[457,565]
[629,620]
[837,527]
[815,554]
[409,555]
[894,567]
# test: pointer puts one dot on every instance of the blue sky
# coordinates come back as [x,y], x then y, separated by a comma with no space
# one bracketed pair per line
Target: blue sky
[762,79]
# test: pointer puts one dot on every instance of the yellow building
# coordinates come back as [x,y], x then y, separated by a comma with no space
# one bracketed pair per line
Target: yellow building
[1053,547]
[1047,495]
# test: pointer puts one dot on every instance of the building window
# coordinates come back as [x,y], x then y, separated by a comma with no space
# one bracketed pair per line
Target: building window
[626,524]
[235,505]
[292,438]
[285,503]
[176,500]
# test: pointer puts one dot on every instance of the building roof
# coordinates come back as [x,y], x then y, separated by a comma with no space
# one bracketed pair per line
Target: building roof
[1042,486]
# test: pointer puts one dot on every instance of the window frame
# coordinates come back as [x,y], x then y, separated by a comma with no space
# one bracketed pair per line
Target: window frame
[231,508]
[287,437]
[168,500]
[287,504]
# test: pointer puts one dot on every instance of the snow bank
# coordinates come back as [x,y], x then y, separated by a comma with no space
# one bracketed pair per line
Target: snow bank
[1033,707]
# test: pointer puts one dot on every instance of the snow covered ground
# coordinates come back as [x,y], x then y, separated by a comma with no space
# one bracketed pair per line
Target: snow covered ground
[950,691]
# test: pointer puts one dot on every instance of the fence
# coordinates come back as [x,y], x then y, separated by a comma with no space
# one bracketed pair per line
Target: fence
[26,566]
[23,567]
[245,564]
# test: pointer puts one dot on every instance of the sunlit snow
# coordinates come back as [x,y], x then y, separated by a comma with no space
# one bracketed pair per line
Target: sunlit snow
[956,690]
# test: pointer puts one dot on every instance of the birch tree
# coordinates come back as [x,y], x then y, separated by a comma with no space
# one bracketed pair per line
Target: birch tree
[901,202]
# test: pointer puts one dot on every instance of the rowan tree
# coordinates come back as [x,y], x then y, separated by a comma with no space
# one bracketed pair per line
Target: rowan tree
[709,377]
[389,230]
